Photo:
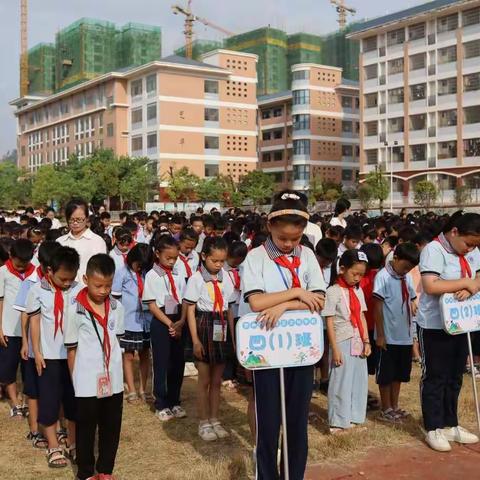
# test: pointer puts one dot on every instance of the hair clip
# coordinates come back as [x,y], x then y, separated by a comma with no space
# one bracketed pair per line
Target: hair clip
[362,257]
[292,196]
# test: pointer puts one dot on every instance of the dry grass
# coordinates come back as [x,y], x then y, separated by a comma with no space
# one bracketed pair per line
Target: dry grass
[173,451]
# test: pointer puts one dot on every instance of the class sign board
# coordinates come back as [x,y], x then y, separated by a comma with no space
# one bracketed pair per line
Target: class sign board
[460,317]
[296,340]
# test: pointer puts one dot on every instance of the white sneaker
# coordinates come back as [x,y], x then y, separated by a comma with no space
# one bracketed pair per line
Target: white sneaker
[219,430]
[164,415]
[179,412]
[437,441]
[459,435]
[207,433]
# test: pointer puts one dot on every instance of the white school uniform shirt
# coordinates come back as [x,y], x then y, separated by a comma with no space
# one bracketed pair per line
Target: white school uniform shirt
[338,221]
[396,322]
[157,286]
[117,256]
[262,275]
[9,287]
[313,232]
[237,293]
[88,245]
[56,224]
[40,300]
[200,290]
[89,358]
[193,260]
[201,239]
[436,260]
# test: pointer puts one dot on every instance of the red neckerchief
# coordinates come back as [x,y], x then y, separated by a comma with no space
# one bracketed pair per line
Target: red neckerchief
[218,303]
[139,285]
[82,299]
[171,280]
[465,269]
[291,266]
[58,306]
[40,272]
[236,278]
[21,275]
[123,254]
[405,292]
[355,307]
[187,266]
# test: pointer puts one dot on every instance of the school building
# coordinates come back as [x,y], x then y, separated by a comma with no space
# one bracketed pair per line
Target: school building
[420,96]
[311,130]
[175,111]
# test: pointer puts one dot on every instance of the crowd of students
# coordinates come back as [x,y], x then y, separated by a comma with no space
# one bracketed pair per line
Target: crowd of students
[78,303]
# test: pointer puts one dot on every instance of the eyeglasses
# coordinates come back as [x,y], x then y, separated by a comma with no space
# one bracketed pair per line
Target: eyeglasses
[76,220]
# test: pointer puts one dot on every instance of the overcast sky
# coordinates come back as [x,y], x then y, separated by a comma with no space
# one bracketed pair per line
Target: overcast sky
[48,16]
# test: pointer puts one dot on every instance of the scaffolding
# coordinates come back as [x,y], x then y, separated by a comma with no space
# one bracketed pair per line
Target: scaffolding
[84,50]
[137,44]
[199,47]
[270,45]
[303,48]
[41,73]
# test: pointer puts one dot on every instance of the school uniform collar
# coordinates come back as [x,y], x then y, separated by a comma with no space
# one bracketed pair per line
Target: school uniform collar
[45,284]
[187,257]
[81,309]
[117,251]
[161,271]
[442,239]
[207,277]
[273,252]
[88,234]
[390,270]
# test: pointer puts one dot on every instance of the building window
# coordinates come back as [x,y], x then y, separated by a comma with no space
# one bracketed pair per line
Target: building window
[470,82]
[151,112]
[301,75]
[211,114]
[137,117]
[137,143]
[278,134]
[152,141]
[395,66]
[347,151]
[347,175]
[346,102]
[471,114]
[418,92]
[301,122]
[447,118]
[447,150]
[301,172]
[211,143]
[152,84]
[471,17]
[301,97]
[301,147]
[278,112]
[266,157]
[211,170]
[395,96]
[418,62]
[447,23]
[471,49]
[110,130]
[418,122]
[211,86]
[471,147]
[266,136]
[136,89]
[371,100]
[347,126]
[447,54]
[371,129]
[447,86]
[416,32]
[369,44]
[396,37]
[418,153]
[371,71]
[266,114]
[372,157]
[395,125]
[278,156]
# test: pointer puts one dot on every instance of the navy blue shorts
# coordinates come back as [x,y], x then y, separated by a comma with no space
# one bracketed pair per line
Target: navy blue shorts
[55,389]
[9,360]
[30,379]
[394,364]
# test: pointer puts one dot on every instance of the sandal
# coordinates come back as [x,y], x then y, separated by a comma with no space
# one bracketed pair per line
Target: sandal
[38,440]
[389,416]
[62,436]
[56,458]
[207,433]
[133,398]
[146,397]
[230,385]
[220,432]
[71,453]
[337,431]
[401,413]
[16,412]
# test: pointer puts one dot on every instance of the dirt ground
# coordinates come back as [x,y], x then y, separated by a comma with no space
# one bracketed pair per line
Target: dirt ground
[151,450]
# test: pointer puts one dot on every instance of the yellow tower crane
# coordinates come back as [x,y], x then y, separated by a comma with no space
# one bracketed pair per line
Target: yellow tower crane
[23,48]
[342,10]
[190,19]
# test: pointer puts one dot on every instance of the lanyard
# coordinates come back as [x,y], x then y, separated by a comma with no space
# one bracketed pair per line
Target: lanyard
[100,340]
[287,286]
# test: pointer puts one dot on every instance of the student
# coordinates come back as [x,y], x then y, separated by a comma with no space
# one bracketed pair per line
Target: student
[352,239]
[16,269]
[281,276]
[163,293]
[394,308]
[105,221]
[123,242]
[349,344]
[175,226]
[342,208]
[336,233]
[47,304]
[30,376]
[94,323]
[188,258]
[124,217]
[197,225]
[210,320]
[449,264]
[128,286]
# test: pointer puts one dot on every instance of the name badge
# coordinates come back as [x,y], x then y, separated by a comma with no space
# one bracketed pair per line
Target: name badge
[104,386]
[219,332]
[356,345]
[171,305]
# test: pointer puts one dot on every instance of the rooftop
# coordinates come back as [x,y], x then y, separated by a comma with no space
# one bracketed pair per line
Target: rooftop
[424,8]
[274,96]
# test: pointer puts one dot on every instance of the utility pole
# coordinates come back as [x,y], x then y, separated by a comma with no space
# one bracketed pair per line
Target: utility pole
[23,48]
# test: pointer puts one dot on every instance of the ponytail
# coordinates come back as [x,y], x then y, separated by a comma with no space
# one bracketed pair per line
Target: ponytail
[465,223]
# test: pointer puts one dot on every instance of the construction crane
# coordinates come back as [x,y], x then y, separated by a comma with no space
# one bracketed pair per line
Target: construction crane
[23,48]
[342,10]
[190,19]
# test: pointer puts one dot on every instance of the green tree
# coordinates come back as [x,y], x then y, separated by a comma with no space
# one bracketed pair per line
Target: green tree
[209,189]
[181,184]
[463,195]
[52,184]
[14,185]
[379,184]
[257,186]
[425,194]
[315,190]
[365,195]
[331,195]
[137,180]
[232,196]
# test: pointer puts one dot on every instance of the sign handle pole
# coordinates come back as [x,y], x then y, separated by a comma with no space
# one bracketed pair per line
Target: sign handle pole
[284,424]
[474,383]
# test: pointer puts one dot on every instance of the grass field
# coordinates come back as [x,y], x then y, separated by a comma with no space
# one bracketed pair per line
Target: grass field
[173,451]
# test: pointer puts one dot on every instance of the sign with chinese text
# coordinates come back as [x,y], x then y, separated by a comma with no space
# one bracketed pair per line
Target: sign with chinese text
[460,317]
[296,340]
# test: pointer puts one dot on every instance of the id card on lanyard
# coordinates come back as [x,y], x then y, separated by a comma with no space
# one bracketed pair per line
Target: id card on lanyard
[104,385]
[356,343]
[287,286]
[171,305]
